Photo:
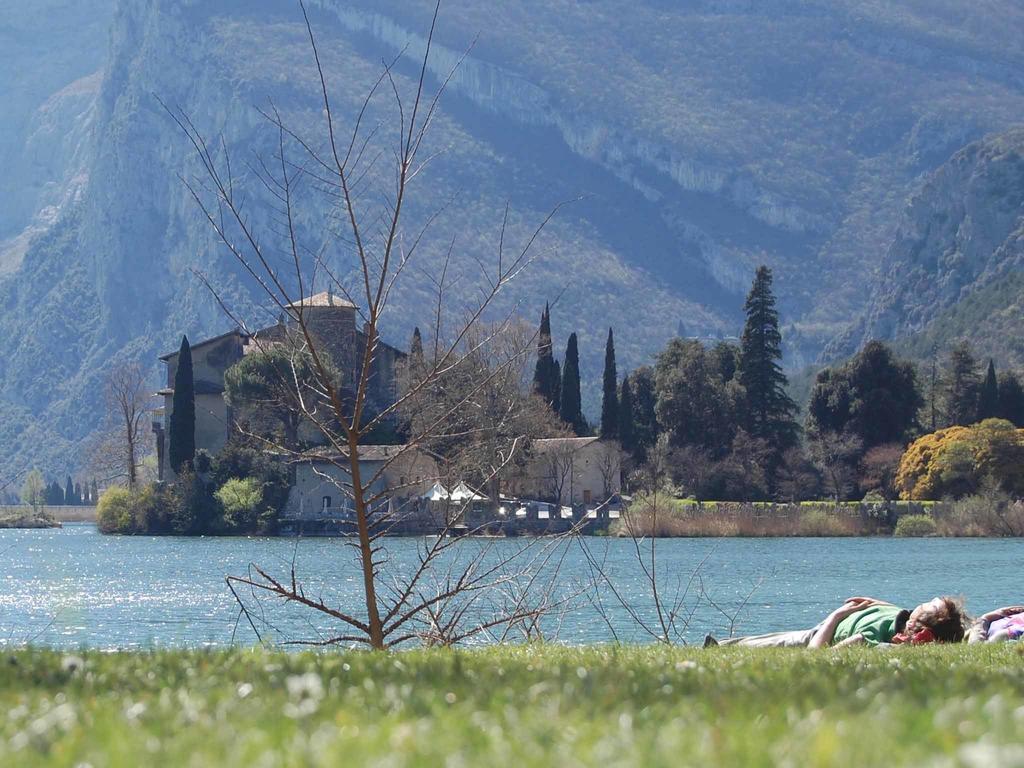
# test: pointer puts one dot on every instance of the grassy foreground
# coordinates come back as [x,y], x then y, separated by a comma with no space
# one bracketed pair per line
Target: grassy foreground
[523,706]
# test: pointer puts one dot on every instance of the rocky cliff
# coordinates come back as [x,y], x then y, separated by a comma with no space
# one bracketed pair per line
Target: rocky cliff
[955,265]
[702,137]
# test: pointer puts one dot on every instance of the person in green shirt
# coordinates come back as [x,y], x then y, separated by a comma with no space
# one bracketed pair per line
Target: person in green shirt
[865,620]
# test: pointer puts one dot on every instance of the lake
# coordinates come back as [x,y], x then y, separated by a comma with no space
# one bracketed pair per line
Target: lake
[74,587]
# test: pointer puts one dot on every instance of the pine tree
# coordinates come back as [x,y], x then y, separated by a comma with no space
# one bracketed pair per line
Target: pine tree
[182,428]
[545,377]
[69,493]
[1011,398]
[610,398]
[988,398]
[626,428]
[962,386]
[571,408]
[770,410]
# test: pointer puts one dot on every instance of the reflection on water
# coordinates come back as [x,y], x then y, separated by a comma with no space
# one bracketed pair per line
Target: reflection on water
[73,587]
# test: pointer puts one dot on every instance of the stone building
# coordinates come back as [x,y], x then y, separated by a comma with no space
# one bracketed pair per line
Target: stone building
[569,470]
[331,319]
[321,479]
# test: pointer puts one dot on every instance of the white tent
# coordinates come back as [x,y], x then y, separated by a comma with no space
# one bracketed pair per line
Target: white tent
[463,492]
[436,493]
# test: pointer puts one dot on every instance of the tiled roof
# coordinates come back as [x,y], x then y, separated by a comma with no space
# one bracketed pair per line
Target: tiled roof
[366,453]
[204,342]
[322,299]
[544,444]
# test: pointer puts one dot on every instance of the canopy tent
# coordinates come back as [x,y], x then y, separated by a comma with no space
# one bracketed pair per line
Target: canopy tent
[463,492]
[436,493]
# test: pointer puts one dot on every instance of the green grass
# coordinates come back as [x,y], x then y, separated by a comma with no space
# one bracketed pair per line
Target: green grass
[522,706]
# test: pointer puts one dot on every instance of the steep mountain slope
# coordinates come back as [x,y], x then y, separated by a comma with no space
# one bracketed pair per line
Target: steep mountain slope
[955,268]
[704,137]
[51,54]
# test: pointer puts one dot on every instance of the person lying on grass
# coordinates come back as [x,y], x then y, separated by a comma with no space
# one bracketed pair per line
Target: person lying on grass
[998,626]
[864,620]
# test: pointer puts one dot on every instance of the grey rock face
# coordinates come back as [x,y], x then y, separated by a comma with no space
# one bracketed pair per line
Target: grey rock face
[962,231]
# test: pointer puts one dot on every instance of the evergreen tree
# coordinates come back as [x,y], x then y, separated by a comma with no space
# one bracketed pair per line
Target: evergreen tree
[79,499]
[988,398]
[556,391]
[962,387]
[770,410]
[1011,398]
[625,429]
[415,364]
[182,428]
[545,374]
[610,398]
[69,493]
[416,346]
[94,492]
[874,396]
[54,494]
[645,421]
[571,407]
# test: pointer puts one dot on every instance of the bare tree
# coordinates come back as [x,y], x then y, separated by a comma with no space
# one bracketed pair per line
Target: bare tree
[365,212]
[609,464]
[496,417]
[558,465]
[835,455]
[117,450]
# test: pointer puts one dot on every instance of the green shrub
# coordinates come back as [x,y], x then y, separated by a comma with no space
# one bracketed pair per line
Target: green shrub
[240,501]
[915,525]
[114,511]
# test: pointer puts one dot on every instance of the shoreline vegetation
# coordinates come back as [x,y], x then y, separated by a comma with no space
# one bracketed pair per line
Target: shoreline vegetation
[983,515]
[26,517]
[525,705]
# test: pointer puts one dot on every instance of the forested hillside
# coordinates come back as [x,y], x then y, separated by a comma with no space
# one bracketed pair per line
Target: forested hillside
[956,267]
[703,138]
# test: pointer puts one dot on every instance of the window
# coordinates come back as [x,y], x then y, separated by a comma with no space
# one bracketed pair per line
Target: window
[327,502]
[587,496]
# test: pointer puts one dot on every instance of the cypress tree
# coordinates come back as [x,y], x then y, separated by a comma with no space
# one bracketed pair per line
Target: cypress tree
[769,409]
[182,428]
[546,374]
[79,499]
[416,345]
[988,398]
[94,492]
[610,398]
[54,494]
[416,363]
[69,492]
[571,409]
[626,429]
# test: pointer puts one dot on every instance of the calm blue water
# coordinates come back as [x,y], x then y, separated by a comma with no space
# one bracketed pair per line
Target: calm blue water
[73,587]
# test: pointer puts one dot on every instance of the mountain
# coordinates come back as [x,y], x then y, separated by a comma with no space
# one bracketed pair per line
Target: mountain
[701,137]
[956,266]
